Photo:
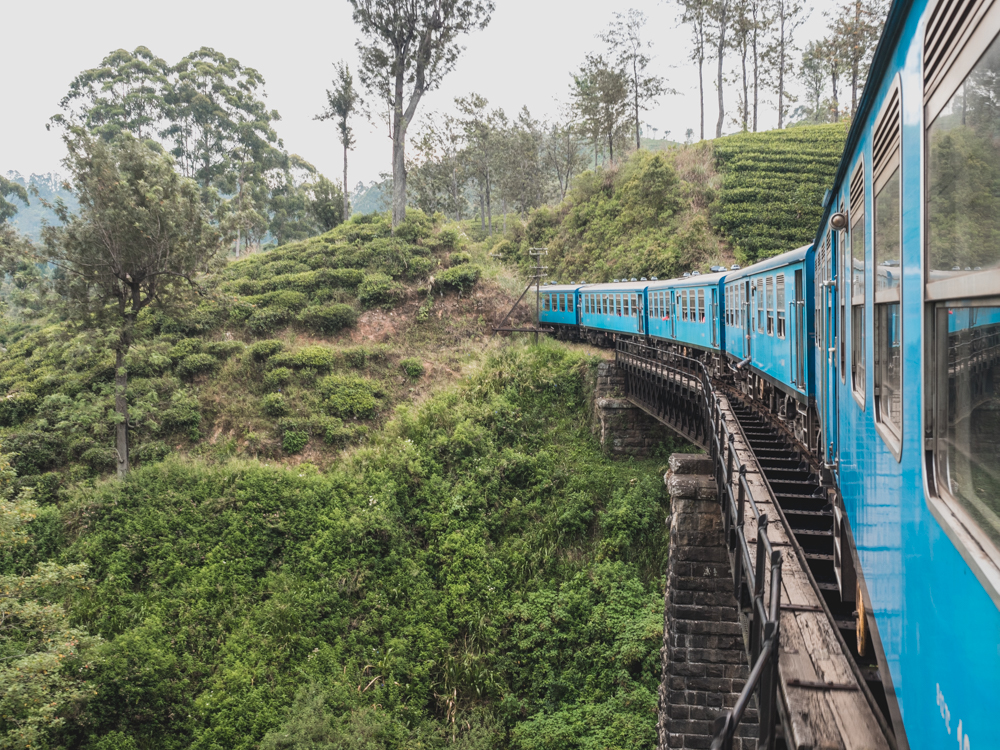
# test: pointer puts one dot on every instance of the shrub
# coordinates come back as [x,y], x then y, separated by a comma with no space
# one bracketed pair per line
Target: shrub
[379,290]
[448,239]
[151,452]
[319,357]
[359,356]
[241,311]
[285,298]
[457,259]
[266,320]
[184,347]
[350,396]
[35,451]
[412,367]
[15,407]
[343,278]
[195,364]
[328,318]
[416,226]
[459,278]
[294,441]
[265,349]
[273,405]
[224,349]
[182,414]
[421,268]
[277,377]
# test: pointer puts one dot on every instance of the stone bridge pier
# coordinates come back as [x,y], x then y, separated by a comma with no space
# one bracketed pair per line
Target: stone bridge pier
[703,655]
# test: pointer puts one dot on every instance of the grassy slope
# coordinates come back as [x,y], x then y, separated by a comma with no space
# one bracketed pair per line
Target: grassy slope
[449,560]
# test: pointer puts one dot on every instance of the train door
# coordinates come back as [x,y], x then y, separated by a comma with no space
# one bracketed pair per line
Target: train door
[640,318]
[673,316]
[799,336]
[747,311]
[713,318]
[829,352]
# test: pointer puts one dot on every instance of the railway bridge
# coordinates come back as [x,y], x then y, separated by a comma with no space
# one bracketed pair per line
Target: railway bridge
[758,650]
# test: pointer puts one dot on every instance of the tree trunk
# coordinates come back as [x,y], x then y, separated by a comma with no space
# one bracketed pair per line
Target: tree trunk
[489,203]
[121,398]
[746,90]
[635,84]
[347,202]
[756,70]
[398,180]
[781,74]
[701,93]
[836,100]
[720,53]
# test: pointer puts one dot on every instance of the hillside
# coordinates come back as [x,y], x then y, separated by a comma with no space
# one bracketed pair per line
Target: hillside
[356,520]
[661,213]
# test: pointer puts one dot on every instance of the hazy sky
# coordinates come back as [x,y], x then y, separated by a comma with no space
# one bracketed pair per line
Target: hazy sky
[524,57]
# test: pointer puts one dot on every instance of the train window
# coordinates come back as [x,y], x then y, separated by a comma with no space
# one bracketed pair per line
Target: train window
[618,305]
[779,294]
[769,297]
[684,305]
[857,283]
[887,224]
[842,289]
[570,298]
[701,305]
[760,305]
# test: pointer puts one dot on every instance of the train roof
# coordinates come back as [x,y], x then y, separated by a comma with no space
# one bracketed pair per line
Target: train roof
[620,286]
[704,279]
[792,256]
[561,287]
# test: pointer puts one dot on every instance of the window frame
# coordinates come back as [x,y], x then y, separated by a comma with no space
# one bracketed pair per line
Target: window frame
[858,316]
[769,303]
[977,289]
[780,302]
[883,300]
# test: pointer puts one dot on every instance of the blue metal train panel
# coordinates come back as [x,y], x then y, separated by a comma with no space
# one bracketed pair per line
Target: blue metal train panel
[618,307]
[766,318]
[686,311]
[908,366]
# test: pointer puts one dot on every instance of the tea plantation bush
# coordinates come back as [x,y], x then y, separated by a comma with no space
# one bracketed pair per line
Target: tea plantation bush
[460,278]
[328,318]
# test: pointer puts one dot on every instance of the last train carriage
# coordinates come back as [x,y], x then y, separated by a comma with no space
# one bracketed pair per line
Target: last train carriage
[880,345]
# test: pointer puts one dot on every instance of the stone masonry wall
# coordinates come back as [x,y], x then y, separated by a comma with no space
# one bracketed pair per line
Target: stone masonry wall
[703,655]
[624,429]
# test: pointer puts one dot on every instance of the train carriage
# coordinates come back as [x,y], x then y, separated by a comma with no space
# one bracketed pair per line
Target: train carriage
[559,305]
[686,311]
[615,307]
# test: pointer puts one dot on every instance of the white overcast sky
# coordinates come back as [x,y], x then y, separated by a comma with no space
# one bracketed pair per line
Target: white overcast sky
[524,57]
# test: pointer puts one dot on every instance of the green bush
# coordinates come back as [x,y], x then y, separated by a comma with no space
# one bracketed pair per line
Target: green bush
[294,441]
[196,364]
[359,356]
[412,367]
[223,350]
[15,407]
[459,278]
[274,405]
[448,239]
[350,396]
[343,278]
[328,319]
[284,298]
[457,259]
[185,347]
[263,350]
[316,357]
[240,311]
[416,226]
[379,290]
[150,452]
[267,320]
[277,377]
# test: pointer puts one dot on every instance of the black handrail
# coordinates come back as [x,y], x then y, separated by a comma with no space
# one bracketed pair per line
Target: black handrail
[671,370]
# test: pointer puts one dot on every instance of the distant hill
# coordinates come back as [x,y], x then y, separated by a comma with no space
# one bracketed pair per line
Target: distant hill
[29,219]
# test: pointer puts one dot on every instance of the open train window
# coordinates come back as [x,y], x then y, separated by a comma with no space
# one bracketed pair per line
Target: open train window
[962,280]
[887,246]
[760,305]
[701,305]
[856,280]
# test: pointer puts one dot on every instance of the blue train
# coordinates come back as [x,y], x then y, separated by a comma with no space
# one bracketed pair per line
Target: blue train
[879,346]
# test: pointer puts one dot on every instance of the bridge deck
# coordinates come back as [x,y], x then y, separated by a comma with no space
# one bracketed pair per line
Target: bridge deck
[822,701]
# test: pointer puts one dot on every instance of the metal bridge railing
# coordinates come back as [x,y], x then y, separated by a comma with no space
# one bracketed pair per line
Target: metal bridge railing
[665,383]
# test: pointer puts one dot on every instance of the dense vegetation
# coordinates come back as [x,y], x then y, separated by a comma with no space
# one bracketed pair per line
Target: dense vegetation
[476,576]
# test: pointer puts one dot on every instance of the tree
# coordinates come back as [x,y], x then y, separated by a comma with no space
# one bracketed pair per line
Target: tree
[44,663]
[695,14]
[624,40]
[325,203]
[482,138]
[126,93]
[787,17]
[10,189]
[855,28]
[440,174]
[600,99]
[563,155]
[411,45]
[343,102]
[719,17]
[141,235]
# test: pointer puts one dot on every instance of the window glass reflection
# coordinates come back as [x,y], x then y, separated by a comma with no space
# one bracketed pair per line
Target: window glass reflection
[963,175]
[887,221]
[972,434]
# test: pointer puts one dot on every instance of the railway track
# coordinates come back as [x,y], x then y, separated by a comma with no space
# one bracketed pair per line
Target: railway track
[796,485]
